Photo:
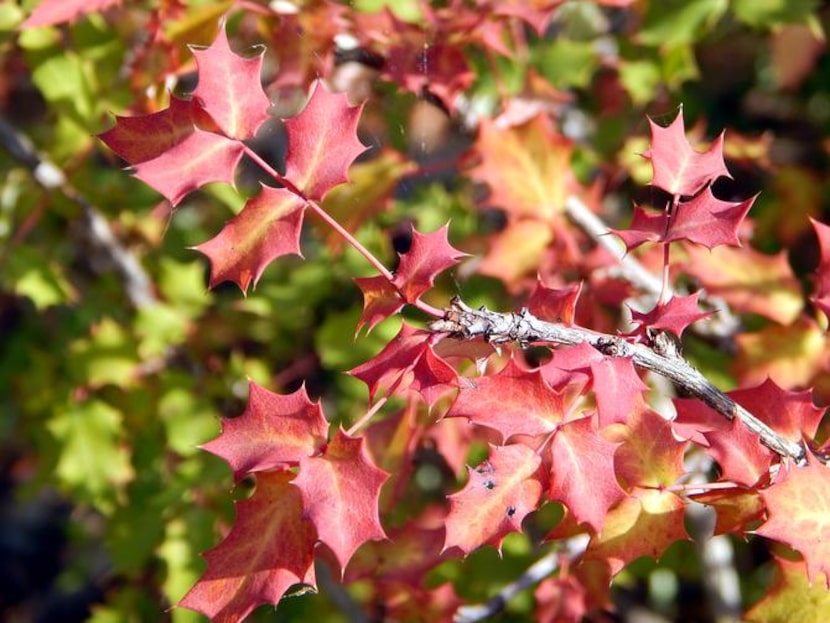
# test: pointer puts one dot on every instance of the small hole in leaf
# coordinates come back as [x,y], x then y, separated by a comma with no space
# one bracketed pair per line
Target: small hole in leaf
[511,510]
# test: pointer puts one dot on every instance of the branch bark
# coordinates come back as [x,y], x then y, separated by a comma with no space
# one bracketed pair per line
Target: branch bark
[462,321]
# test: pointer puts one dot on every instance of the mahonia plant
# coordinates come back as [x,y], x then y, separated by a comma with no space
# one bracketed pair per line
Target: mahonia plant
[576,429]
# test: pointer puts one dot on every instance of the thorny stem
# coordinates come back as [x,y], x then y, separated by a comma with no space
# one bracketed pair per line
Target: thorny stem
[342,232]
[462,321]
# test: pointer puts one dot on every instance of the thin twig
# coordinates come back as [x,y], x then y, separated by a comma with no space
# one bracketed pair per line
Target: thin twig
[462,321]
[94,226]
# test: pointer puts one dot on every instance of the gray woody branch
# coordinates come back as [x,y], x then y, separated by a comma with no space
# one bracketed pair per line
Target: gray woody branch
[462,321]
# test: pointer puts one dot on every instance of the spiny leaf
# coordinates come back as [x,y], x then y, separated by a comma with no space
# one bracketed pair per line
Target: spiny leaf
[649,454]
[739,453]
[798,507]
[678,168]
[52,12]
[554,304]
[501,491]
[791,413]
[408,361]
[269,548]
[791,598]
[736,508]
[230,89]
[268,227]
[675,315]
[322,142]
[340,490]
[501,402]
[428,256]
[275,430]
[582,473]
[381,300]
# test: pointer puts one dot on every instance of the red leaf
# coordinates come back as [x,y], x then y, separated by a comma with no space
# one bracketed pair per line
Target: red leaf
[429,255]
[380,300]
[230,89]
[501,402]
[322,142]
[703,219]
[142,138]
[798,507]
[674,316]
[742,458]
[499,494]
[52,12]
[736,508]
[791,597]
[275,430]
[582,475]
[554,304]
[269,548]
[791,414]
[201,158]
[340,491]
[678,168]
[407,361]
[268,227]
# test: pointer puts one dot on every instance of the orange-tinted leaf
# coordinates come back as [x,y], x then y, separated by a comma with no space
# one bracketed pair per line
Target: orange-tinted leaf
[582,474]
[275,430]
[554,304]
[791,414]
[199,159]
[380,300]
[736,509]
[322,142]
[340,490]
[269,548]
[742,458]
[429,255]
[791,598]
[749,281]
[644,524]
[528,168]
[649,455]
[512,402]
[268,227]
[792,355]
[408,553]
[407,361]
[560,600]
[501,491]
[678,168]
[798,507]
[230,89]
[516,250]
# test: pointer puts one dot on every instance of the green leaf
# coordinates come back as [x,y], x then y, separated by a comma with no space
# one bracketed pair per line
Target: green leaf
[771,13]
[109,356]
[92,462]
[673,22]
[568,63]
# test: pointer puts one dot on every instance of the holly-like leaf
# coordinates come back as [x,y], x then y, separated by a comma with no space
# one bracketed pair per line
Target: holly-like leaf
[501,491]
[674,316]
[649,455]
[554,304]
[429,255]
[199,159]
[502,402]
[381,300]
[582,474]
[230,89]
[749,281]
[798,507]
[322,142]
[527,168]
[739,453]
[269,548]
[275,430]
[678,168]
[340,490]
[643,524]
[267,227]
[791,414]
[704,219]
[407,361]
[736,508]
[144,137]
[791,598]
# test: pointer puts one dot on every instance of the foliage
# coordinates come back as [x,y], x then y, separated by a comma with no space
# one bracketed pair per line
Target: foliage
[388,468]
